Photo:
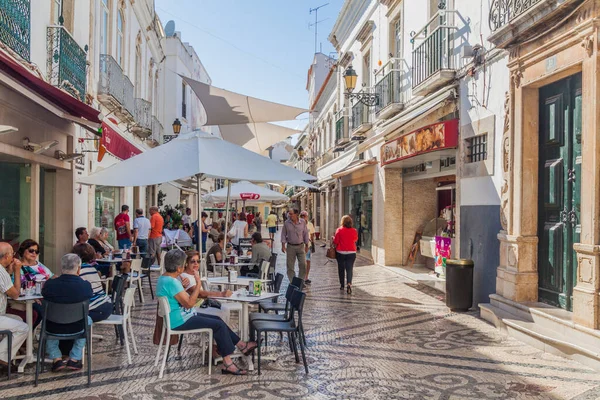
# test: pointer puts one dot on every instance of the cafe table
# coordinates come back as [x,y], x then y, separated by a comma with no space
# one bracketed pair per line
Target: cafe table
[231,265]
[28,300]
[239,282]
[245,301]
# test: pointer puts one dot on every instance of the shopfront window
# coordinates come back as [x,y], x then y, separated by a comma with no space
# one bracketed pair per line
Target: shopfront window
[107,208]
[358,203]
[15,203]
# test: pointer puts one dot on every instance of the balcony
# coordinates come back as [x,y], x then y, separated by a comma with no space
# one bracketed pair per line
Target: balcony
[341,130]
[522,19]
[389,88]
[67,62]
[115,90]
[433,59]
[361,119]
[15,26]
[143,118]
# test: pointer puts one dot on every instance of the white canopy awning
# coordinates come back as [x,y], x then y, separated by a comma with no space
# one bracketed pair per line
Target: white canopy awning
[192,154]
[325,172]
[247,191]
[229,108]
[255,137]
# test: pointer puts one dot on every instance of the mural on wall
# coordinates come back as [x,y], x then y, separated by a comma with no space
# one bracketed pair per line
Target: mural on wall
[443,135]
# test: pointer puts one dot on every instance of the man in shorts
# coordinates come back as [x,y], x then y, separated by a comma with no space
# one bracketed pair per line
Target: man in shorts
[272,224]
[311,236]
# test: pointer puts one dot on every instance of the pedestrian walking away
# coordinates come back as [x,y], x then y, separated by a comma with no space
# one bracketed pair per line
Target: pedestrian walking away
[155,237]
[141,231]
[345,246]
[294,242]
[123,228]
[272,224]
[311,237]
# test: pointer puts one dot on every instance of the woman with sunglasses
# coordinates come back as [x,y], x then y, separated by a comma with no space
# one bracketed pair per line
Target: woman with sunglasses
[32,270]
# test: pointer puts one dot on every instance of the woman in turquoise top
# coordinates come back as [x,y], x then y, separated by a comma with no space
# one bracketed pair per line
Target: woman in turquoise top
[182,316]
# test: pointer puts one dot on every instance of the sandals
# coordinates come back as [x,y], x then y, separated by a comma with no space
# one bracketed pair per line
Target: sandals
[226,371]
[248,349]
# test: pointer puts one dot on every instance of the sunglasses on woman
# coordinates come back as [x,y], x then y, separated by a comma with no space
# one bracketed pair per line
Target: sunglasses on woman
[194,261]
[36,251]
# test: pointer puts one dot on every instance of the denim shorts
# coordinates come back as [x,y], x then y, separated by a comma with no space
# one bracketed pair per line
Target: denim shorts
[308,254]
[272,229]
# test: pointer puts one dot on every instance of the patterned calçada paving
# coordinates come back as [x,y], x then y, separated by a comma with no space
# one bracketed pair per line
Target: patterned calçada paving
[391,339]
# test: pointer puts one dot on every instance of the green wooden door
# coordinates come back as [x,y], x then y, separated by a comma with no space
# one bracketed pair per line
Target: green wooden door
[559,190]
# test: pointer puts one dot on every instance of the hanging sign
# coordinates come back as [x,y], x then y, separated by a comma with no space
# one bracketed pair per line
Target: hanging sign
[440,136]
[249,196]
[116,144]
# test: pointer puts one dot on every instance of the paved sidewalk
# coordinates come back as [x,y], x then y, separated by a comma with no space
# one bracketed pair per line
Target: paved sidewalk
[392,339]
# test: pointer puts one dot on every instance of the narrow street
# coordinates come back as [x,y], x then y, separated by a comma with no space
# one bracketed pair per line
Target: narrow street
[390,339]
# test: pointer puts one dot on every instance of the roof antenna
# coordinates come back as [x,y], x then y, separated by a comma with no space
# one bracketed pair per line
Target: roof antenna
[317,22]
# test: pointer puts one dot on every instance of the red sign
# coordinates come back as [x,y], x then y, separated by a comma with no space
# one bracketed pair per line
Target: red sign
[249,196]
[440,136]
[116,144]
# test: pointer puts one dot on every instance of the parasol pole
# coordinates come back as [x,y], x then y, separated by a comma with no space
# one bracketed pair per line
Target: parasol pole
[227,213]
[199,240]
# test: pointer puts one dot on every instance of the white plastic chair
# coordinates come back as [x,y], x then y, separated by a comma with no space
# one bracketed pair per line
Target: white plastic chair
[123,320]
[164,310]
[136,275]
[264,270]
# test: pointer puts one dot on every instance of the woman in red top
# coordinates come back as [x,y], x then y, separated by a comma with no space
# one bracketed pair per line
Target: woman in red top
[345,247]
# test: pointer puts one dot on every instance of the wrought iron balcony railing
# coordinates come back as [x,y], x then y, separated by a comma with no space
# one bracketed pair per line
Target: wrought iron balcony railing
[67,62]
[15,26]
[341,127]
[157,130]
[360,115]
[389,90]
[435,51]
[143,117]
[502,12]
[114,85]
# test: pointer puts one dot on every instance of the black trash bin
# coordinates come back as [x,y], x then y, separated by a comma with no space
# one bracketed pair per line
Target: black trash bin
[459,284]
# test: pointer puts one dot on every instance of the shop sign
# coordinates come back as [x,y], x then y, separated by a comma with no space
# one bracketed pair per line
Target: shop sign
[440,136]
[116,144]
[249,196]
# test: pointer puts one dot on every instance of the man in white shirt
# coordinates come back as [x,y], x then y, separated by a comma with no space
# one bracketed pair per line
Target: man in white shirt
[141,230]
[9,322]
[187,218]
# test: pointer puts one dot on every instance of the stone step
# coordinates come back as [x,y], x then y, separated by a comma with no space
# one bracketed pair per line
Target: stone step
[540,333]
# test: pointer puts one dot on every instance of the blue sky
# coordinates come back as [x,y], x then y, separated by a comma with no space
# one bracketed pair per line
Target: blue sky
[262,48]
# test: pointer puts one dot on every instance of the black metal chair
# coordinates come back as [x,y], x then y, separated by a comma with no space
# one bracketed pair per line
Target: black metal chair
[265,316]
[9,338]
[273,305]
[64,314]
[272,265]
[147,268]
[116,297]
[291,327]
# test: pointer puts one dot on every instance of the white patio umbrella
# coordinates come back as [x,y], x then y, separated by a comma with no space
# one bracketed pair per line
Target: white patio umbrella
[198,154]
[246,191]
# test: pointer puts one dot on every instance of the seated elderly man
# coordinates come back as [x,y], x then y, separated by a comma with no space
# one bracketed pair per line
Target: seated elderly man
[260,253]
[68,288]
[13,323]
[182,316]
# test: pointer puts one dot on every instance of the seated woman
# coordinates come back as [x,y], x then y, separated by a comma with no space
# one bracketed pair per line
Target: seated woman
[189,282]
[182,317]
[33,271]
[100,304]
[99,241]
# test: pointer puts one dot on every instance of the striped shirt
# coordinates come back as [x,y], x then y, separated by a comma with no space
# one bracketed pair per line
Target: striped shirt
[89,273]
[5,285]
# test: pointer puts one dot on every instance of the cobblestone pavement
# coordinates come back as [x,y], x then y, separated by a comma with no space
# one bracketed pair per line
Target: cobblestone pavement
[390,339]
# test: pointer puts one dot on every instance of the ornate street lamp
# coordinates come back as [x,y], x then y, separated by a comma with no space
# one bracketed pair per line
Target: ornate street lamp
[368,99]
[300,153]
[176,126]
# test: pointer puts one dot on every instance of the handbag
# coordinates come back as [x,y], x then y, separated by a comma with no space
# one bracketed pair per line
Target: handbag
[312,247]
[158,327]
[331,253]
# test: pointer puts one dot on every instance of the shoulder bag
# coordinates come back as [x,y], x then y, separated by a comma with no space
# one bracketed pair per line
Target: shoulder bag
[331,253]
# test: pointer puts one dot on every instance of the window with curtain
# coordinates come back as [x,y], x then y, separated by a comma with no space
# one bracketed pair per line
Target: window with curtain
[183,101]
[120,38]
[56,11]
[104,26]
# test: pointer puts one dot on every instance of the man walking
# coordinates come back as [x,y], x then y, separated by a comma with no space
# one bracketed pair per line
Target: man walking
[294,242]
[155,237]
[272,224]
[141,230]
[123,228]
